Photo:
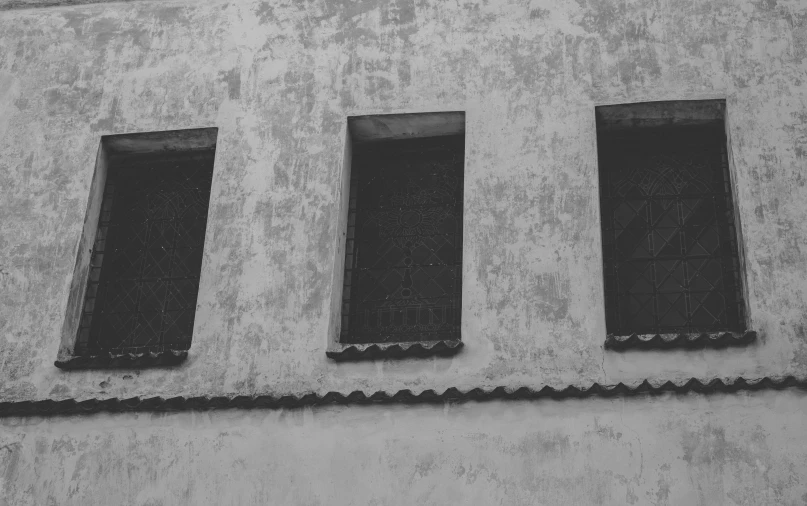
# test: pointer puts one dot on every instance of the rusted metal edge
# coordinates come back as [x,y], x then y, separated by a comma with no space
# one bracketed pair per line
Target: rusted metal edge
[373,351]
[124,361]
[666,341]
[454,395]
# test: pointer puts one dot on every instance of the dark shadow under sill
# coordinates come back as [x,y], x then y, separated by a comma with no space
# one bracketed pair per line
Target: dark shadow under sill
[380,351]
[679,341]
[124,361]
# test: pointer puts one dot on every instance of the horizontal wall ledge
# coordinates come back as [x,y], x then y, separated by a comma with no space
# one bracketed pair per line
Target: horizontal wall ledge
[664,341]
[160,404]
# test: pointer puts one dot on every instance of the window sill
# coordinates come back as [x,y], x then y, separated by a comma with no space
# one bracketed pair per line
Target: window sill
[666,341]
[380,351]
[124,361]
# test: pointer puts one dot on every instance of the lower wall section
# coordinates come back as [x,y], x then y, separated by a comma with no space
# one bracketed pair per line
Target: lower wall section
[745,448]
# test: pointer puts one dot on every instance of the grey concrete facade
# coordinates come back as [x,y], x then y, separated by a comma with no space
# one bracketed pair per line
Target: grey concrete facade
[278,80]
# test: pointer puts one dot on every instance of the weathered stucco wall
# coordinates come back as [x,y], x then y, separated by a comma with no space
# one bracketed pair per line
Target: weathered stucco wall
[742,449]
[278,80]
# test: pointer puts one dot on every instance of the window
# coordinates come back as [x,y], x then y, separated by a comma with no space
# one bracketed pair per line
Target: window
[403,259]
[668,223]
[145,264]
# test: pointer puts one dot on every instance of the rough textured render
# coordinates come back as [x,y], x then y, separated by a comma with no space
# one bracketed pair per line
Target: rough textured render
[670,450]
[279,79]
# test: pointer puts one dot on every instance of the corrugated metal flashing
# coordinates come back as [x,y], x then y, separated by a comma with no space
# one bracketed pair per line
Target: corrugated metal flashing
[160,404]
[658,341]
[124,361]
[374,351]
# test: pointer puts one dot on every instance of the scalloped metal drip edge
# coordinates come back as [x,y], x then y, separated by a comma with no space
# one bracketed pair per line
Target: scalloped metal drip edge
[138,404]
[702,340]
[124,361]
[372,351]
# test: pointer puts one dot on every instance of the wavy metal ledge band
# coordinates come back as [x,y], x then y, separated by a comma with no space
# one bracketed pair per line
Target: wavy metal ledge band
[138,404]
[373,351]
[124,361]
[702,340]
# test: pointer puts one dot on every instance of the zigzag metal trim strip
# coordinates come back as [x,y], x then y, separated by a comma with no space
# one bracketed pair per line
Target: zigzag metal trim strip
[124,361]
[139,404]
[703,340]
[374,351]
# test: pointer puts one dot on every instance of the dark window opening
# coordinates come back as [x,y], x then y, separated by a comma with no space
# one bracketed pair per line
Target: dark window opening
[147,255]
[403,266]
[669,241]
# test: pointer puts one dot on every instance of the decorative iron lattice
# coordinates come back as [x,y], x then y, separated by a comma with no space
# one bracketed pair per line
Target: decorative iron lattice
[669,239]
[403,267]
[147,256]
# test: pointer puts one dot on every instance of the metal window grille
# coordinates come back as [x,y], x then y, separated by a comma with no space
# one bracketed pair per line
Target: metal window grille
[147,256]
[403,267]
[669,239]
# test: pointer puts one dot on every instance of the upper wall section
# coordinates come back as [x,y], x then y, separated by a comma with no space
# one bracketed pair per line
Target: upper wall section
[279,79]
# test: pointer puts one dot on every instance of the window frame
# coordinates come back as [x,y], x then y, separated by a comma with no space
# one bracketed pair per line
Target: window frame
[163,144]
[371,128]
[679,113]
